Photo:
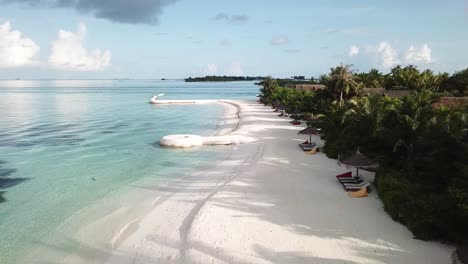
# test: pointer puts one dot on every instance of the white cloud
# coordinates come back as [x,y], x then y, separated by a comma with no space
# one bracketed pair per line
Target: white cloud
[235,69]
[422,55]
[387,55]
[15,49]
[68,53]
[353,51]
[279,40]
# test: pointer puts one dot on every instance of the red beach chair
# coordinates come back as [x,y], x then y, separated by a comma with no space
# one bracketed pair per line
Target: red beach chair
[345,175]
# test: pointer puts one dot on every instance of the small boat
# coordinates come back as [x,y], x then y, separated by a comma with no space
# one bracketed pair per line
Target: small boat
[154,100]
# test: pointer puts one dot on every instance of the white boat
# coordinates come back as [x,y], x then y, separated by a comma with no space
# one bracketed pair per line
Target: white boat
[154,100]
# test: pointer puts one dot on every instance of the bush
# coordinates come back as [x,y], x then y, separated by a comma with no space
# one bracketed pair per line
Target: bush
[428,215]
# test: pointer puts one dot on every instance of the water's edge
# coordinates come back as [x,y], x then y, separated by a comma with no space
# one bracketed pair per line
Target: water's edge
[94,231]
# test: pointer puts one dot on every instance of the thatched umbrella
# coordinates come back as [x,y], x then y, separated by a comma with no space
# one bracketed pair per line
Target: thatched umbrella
[309,131]
[358,160]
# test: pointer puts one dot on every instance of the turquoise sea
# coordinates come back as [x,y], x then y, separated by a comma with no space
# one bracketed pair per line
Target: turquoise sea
[65,144]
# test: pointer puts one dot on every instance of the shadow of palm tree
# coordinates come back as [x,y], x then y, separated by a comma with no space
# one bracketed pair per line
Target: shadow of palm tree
[6,181]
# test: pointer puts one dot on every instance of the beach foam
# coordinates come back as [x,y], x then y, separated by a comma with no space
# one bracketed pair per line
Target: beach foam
[181,141]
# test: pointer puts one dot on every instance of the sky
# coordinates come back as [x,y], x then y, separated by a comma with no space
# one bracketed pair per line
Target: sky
[88,39]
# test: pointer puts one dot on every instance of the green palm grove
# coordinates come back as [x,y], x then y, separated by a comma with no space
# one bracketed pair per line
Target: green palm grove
[422,150]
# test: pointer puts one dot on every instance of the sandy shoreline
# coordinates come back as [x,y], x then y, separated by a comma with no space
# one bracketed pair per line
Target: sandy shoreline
[270,203]
[265,202]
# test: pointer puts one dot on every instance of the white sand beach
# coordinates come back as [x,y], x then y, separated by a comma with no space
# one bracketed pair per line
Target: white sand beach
[268,202]
[265,202]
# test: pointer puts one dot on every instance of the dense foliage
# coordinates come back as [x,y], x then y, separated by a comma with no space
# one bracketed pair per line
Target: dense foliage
[288,82]
[224,78]
[422,150]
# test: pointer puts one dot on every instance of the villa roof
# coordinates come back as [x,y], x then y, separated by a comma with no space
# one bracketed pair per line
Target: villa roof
[309,87]
[390,93]
[451,101]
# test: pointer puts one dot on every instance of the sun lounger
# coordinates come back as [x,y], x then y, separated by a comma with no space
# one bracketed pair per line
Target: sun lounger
[352,186]
[353,189]
[295,122]
[355,180]
[312,144]
[308,148]
[357,184]
[344,175]
[358,194]
[313,151]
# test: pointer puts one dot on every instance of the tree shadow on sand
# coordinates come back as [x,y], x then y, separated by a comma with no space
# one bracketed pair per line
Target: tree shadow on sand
[6,181]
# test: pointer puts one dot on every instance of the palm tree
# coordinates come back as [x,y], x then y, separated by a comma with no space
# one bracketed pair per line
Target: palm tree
[371,79]
[414,116]
[269,84]
[334,126]
[368,112]
[342,77]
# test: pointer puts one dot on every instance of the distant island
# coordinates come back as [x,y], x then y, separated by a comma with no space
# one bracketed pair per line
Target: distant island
[224,78]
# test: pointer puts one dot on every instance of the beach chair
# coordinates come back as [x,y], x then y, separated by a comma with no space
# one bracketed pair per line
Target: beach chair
[308,147]
[351,180]
[295,122]
[345,175]
[313,151]
[354,187]
[358,194]
[311,144]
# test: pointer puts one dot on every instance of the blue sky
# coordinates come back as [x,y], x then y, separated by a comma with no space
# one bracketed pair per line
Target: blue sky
[176,39]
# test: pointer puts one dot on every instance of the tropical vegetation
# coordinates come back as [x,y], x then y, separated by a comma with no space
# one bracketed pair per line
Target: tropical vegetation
[422,150]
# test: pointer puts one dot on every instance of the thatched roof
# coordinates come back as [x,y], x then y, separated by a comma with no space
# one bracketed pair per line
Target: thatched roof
[309,87]
[451,101]
[358,160]
[397,93]
[390,93]
[309,131]
[368,91]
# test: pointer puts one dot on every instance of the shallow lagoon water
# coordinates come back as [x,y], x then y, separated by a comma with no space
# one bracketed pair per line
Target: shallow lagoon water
[66,144]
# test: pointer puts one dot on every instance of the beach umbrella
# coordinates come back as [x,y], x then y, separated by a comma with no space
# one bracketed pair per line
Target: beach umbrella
[309,131]
[358,160]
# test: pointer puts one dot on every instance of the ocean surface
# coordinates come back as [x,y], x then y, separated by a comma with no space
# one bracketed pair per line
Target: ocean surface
[65,144]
